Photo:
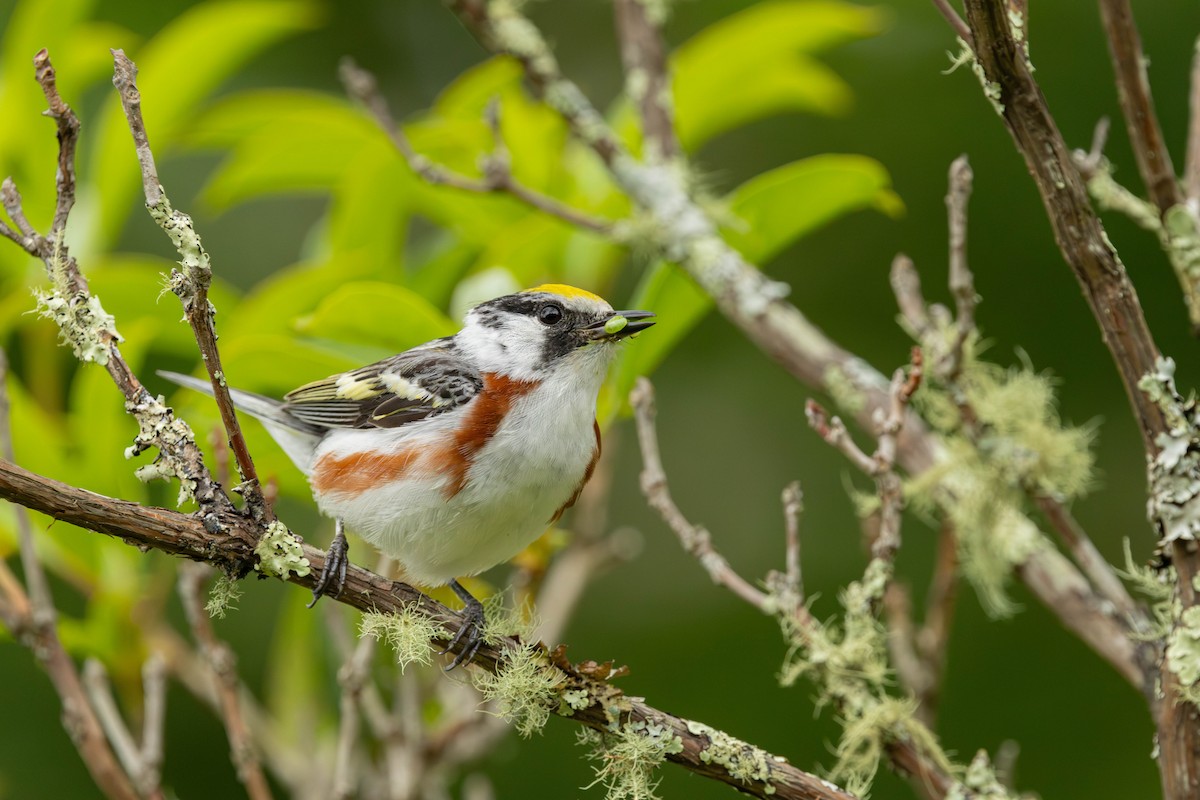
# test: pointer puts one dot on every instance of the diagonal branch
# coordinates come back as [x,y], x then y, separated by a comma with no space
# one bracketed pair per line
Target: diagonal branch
[230,543]
[498,178]
[1137,104]
[192,283]
[647,80]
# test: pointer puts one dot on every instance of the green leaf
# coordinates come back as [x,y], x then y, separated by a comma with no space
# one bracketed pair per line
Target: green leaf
[377,313]
[758,63]
[774,210]
[178,69]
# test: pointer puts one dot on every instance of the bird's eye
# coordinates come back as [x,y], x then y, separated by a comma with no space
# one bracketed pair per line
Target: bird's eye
[550,314]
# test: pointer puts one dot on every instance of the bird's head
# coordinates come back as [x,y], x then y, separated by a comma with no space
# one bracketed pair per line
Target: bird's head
[542,330]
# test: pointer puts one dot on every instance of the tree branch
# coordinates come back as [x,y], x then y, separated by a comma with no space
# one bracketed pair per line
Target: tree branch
[498,178]
[192,283]
[230,544]
[647,80]
[1137,104]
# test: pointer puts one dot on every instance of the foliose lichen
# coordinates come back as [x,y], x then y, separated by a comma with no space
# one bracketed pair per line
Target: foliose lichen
[743,761]
[280,552]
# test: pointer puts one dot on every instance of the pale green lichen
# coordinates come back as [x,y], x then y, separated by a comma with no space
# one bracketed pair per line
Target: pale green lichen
[966,56]
[628,758]
[280,552]
[225,592]
[408,634]
[842,390]
[573,700]
[1173,504]
[1183,653]
[82,322]
[743,761]
[979,782]
[1015,444]
[523,689]
[158,427]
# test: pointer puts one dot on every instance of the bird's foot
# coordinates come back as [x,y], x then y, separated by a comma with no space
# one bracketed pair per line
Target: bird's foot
[470,635]
[333,574]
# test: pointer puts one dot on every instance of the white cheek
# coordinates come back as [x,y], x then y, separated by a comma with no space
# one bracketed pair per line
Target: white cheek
[514,349]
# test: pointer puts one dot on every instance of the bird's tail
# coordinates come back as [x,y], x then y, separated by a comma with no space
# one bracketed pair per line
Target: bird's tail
[298,438]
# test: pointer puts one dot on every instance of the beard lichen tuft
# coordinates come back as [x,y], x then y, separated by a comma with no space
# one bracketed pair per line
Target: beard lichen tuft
[1003,440]
[408,634]
[628,758]
[225,592]
[523,688]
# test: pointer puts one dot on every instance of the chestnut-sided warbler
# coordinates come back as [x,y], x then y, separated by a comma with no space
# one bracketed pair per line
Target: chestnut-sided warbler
[453,456]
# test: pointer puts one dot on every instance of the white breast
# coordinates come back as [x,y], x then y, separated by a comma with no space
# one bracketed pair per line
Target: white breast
[531,466]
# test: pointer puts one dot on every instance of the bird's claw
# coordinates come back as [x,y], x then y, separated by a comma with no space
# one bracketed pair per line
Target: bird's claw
[333,574]
[470,634]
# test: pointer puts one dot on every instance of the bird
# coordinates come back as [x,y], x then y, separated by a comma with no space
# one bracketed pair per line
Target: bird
[453,456]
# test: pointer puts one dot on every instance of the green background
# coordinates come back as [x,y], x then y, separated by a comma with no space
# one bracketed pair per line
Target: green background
[732,424]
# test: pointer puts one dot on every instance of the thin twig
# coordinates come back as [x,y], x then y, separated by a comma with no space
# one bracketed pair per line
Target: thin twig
[1094,565]
[95,678]
[68,137]
[1137,104]
[793,505]
[695,540]
[192,283]
[1191,171]
[956,22]
[37,629]
[154,714]
[647,82]
[934,634]
[962,282]
[906,285]
[362,87]
[222,663]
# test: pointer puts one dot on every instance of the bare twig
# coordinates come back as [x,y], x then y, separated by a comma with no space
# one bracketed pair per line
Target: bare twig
[34,622]
[1191,172]
[95,678]
[695,540]
[154,713]
[222,662]
[962,282]
[1137,105]
[647,82]
[498,177]
[68,137]
[956,22]
[793,505]
[1094,565]
[192,283]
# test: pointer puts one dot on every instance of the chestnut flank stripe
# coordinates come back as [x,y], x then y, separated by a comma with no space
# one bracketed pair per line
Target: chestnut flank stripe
[483,417]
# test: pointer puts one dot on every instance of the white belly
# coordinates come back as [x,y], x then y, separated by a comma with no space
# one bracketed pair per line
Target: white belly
[519,479]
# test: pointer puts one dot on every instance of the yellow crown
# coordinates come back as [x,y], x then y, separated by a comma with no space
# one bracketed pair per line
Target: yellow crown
[562,290]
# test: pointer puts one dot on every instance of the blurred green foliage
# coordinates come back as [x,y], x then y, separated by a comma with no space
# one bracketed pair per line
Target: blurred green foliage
[391,262]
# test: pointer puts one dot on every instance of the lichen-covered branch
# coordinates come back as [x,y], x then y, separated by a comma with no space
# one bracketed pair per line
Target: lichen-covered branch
[1088,251]
[231,543]
[647,79]
[192,282]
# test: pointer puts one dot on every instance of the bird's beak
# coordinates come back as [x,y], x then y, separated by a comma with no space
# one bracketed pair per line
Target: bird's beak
[619,325]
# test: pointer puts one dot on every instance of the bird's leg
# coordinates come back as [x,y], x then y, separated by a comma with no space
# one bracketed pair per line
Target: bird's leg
[470,635]
[333,574]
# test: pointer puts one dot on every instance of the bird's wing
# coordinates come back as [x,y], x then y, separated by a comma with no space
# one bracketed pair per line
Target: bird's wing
[418,383]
